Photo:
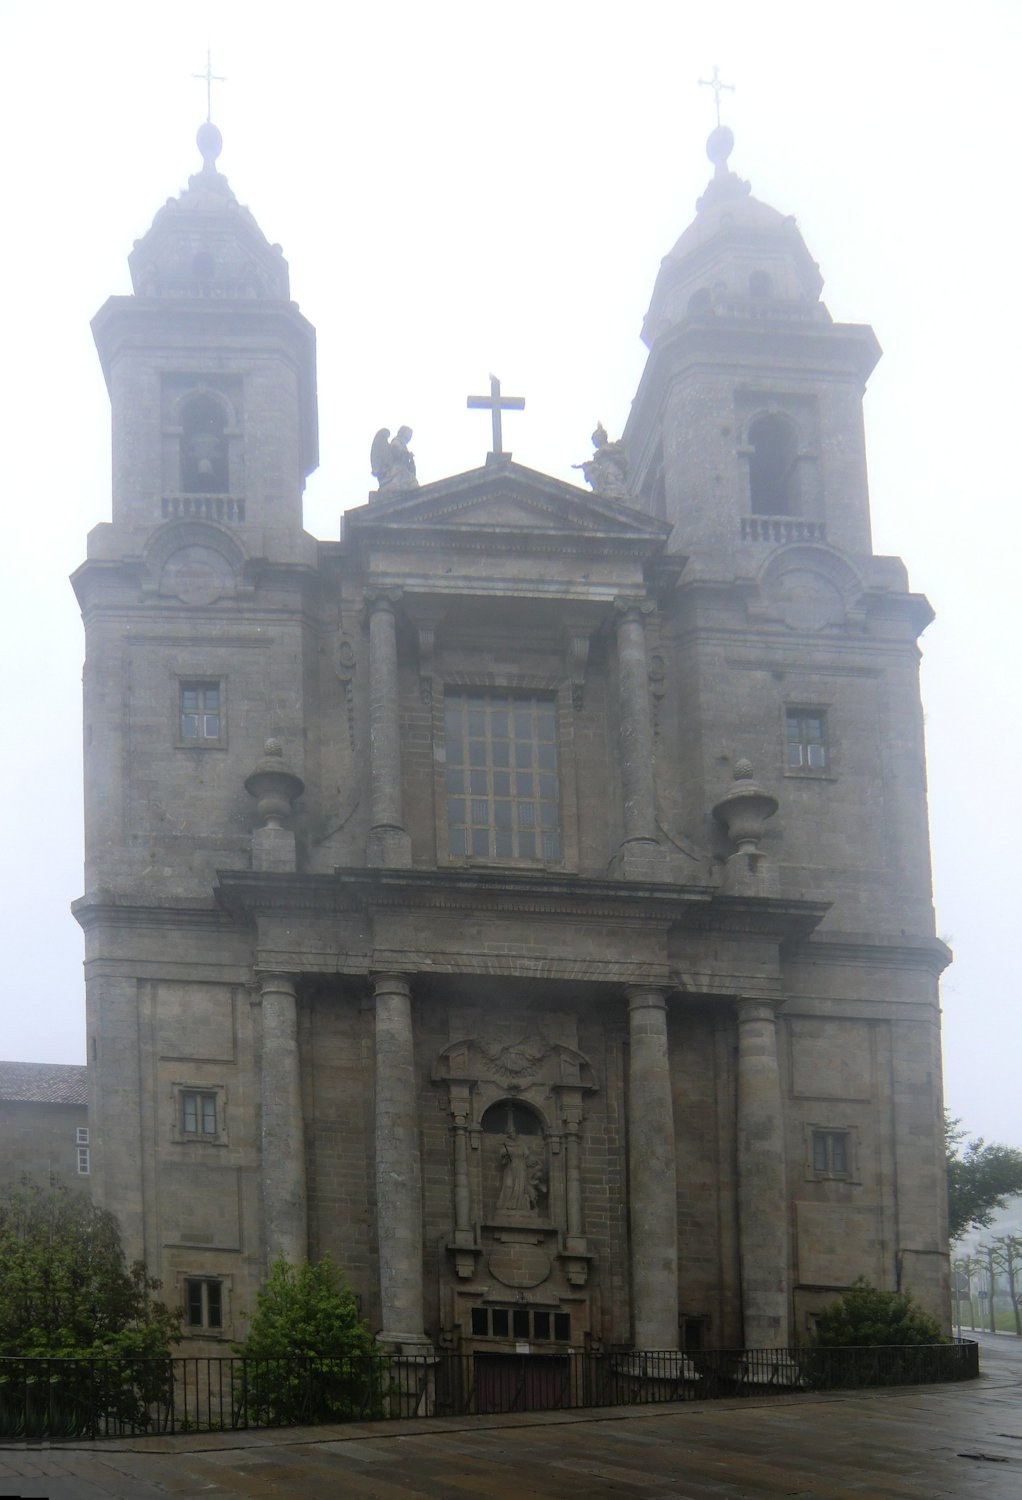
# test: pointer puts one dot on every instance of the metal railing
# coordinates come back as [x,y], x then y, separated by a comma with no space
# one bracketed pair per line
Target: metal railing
[96,1398]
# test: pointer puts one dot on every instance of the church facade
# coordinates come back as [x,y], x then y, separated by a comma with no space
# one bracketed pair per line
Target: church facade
[524,899]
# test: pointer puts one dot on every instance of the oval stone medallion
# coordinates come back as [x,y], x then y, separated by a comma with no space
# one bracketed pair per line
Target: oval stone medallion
[519,1265]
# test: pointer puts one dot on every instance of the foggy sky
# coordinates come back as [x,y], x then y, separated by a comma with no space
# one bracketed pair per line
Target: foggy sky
[461,189]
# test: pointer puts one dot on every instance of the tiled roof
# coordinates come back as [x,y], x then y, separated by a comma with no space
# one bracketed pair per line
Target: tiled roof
[43,1083]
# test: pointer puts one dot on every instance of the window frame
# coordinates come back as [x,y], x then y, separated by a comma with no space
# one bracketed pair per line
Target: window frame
[486,684]
[827,1133]
[803,712]
[203,1281]
[181,1091]
[183,681]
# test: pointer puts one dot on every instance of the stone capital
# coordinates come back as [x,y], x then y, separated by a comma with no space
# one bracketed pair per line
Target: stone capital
[755,1008]
[634,604]
[275,982]
[645,997]
[381,599]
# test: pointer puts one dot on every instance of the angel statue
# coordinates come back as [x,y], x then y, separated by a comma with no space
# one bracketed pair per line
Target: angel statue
[607,470]
[391,460]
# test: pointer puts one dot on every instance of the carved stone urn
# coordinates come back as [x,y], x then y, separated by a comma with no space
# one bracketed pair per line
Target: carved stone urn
[275,786]
[744,809]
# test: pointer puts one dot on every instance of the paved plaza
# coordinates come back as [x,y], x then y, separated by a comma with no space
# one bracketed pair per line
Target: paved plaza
[919,1443]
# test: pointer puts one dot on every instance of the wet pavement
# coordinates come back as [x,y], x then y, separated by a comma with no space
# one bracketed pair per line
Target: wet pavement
[917,1443]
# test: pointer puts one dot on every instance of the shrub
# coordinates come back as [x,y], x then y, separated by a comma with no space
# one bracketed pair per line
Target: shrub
[308,1356]
[865,1317]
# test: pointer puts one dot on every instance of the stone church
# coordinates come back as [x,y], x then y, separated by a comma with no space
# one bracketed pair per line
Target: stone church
[524,898]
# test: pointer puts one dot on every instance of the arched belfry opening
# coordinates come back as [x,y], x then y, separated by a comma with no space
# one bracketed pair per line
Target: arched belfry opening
[773,467]
[204,465]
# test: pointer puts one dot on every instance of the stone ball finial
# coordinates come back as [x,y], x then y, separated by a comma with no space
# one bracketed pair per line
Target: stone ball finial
[210,143]
[274,747]
[719,146]
[743,770]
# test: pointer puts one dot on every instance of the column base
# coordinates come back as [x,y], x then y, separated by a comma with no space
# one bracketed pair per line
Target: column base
[389,848]
[641,859]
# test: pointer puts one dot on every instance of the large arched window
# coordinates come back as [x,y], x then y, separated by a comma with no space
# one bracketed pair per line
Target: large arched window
[204,468]
[773,467]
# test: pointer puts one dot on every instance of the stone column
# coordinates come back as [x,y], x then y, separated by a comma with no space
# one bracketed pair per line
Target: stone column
[398,1166]
[389,844]
[652,1177]
[641,855]
[462,1197]
[762,1196]
[572,1177]
[283,1135]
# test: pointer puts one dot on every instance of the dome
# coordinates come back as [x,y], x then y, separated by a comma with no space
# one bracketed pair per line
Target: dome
[739,258]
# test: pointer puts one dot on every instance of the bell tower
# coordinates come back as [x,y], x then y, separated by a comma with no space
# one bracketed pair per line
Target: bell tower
[210,368]
[747,424]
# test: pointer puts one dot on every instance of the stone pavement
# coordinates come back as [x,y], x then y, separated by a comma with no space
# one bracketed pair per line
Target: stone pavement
[919,1443]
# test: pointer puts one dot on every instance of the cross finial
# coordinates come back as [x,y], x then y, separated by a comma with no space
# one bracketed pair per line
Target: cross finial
[209,78]
[495,403]
[718,87]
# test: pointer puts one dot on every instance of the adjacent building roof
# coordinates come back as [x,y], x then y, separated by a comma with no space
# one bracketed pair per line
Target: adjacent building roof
[43,1083]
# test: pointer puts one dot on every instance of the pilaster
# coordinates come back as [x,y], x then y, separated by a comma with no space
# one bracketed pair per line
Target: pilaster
[398,1164]
[389,844]
[283,1126]
[652,1173]
[641,856]
[762,1195]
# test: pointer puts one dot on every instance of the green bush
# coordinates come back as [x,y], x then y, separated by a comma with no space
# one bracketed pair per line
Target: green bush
[866,1317]
[84,1345]
[308,1356]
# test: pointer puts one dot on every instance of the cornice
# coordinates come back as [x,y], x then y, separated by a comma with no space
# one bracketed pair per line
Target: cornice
[695,908]
[925,952]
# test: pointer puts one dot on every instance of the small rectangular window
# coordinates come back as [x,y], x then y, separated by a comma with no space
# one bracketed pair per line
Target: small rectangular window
[201,717]
[204,1303]
[198,1112]
[500,1322]
[520,1322]
[480,1322]
[562,1327]
[830,1153]
[541,1325]
[805,739]
[82,1135]
[83,1161]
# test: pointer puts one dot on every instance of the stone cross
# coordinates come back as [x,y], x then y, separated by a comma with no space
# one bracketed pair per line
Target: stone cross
[715,84]
[495,403]
[209,77]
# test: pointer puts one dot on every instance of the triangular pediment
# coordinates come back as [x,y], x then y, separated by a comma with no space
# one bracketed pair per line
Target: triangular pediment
[510,500]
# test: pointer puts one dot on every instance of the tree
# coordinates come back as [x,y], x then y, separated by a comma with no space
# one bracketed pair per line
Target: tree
[980,1178]
[66,1288]
[865,1317]
[309,1357]
[85,1344]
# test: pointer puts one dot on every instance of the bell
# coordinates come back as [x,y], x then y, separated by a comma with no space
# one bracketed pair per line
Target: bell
[205,466]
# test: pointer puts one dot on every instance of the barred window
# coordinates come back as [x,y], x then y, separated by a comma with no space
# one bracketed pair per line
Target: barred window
[503,797]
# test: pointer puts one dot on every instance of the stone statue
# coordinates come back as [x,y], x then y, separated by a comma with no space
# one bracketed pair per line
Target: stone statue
[521,1174]
[392,462]
[607,471]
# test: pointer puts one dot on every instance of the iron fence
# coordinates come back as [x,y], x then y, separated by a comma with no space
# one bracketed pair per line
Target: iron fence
[96,1398]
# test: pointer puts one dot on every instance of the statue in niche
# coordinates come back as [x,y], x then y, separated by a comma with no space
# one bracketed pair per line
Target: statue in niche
[391,460]
[606,472]
[522,1173]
